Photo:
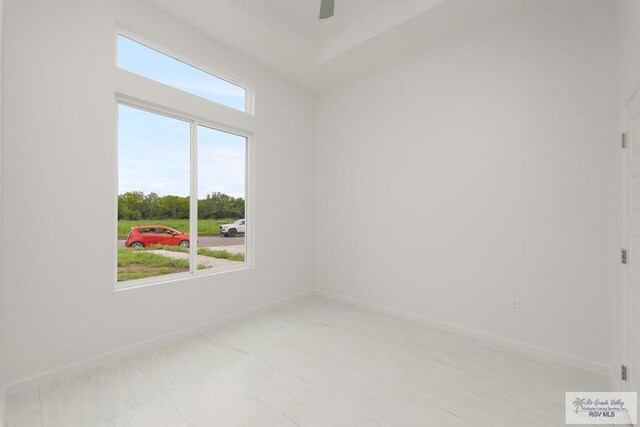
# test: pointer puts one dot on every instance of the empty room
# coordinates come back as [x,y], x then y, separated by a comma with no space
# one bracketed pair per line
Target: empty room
[319,213]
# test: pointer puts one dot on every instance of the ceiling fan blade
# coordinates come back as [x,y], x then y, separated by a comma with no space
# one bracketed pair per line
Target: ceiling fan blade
[326,9]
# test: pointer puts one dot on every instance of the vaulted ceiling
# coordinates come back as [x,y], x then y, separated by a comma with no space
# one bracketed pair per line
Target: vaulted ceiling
[288,37]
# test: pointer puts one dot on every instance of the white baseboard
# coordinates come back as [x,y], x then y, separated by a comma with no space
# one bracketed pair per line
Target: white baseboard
[47,377]
[606,372]
[601,369]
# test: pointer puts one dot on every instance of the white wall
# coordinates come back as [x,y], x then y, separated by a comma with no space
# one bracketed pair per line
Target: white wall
[2,323]
[478,170]
[60,189]
[627,62]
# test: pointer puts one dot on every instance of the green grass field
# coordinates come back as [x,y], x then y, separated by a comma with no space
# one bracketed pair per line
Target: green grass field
[201,251]
[206,227]
[140,263]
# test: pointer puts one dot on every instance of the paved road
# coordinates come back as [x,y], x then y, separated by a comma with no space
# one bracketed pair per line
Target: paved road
[206,241]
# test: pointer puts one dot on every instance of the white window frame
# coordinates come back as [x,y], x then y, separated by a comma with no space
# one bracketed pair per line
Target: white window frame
[149,95]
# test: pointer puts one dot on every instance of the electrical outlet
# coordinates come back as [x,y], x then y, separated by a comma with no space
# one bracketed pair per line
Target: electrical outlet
[514,305]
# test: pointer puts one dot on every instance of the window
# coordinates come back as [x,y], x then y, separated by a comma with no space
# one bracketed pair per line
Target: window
[182,180]
[221,193]
[153,189]
[147,62]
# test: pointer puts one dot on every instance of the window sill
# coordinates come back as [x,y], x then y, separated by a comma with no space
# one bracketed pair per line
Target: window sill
[177,277]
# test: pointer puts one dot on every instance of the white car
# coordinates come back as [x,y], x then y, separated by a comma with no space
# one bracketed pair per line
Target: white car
[231,230]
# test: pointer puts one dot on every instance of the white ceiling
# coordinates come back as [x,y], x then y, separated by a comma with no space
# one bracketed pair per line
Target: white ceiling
[288,37]
[354,21]
[301,16]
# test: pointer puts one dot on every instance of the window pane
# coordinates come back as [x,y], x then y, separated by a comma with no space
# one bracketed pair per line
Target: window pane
[147,62]
[221,198]
[153,194]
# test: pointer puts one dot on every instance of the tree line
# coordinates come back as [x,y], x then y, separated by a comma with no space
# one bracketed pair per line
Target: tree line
[134,205]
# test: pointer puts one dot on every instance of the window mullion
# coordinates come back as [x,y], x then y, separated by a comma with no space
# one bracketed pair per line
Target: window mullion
[193,200]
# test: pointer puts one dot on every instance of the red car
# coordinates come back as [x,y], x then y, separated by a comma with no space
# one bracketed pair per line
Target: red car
[149,235]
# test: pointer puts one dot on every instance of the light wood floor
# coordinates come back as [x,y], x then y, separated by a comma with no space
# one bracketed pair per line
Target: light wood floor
[315,362]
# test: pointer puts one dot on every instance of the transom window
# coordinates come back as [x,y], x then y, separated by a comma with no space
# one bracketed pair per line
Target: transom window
[145,61]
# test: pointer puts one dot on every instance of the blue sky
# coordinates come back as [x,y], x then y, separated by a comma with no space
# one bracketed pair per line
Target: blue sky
[154,156]
[153,150]
[139,59]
